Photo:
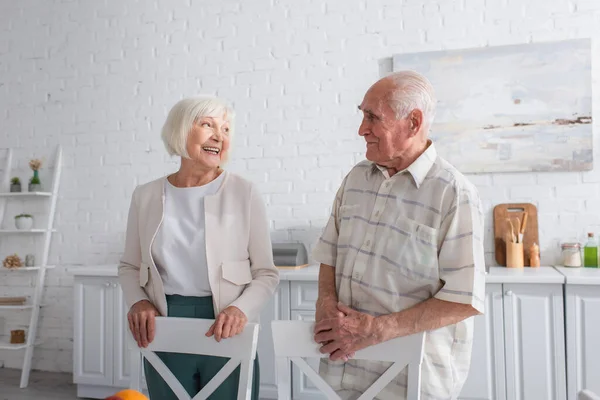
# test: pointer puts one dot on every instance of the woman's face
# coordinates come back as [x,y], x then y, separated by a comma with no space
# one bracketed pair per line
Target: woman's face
[208,141]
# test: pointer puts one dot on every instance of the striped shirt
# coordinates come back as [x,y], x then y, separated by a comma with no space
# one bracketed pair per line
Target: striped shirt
[396,242]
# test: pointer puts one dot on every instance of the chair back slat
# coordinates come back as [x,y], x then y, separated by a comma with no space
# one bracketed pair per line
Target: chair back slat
[294,340]
[187,336]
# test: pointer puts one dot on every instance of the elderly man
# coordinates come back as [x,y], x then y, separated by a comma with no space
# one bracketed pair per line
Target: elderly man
[402,252]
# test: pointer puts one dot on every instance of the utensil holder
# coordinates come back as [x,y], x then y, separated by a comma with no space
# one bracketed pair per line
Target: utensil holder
[514,255]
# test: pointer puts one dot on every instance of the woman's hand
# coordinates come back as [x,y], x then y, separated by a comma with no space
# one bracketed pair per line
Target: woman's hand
[141,322]
[230,322]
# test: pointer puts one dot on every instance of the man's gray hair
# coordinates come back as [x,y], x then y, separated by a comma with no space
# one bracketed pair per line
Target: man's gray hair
[185,113]
[412,91]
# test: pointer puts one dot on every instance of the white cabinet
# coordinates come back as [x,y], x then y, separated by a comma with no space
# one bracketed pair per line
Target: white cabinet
[534,341]
[100,356]
[518,345]
[486,380]
[93,337]
[583,337]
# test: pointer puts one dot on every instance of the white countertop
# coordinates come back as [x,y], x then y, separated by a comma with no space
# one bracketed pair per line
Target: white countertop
[495,274]
[524,275]
[581,275]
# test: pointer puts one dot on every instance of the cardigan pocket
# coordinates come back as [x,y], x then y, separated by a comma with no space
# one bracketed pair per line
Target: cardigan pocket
[143,274]
[235,276]
[237,272]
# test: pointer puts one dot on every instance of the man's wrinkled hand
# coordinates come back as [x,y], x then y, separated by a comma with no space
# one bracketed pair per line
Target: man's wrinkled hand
[343,335]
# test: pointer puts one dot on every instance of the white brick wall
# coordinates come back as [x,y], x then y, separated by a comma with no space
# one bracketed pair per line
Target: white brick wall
[99,77]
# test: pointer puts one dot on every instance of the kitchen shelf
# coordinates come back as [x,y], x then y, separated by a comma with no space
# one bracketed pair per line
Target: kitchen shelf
[43,229]
[22,231]
[3,269]
[26,194]
[11,346]
[16,307]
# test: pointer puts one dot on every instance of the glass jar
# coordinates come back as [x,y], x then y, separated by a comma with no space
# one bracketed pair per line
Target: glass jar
[571,254]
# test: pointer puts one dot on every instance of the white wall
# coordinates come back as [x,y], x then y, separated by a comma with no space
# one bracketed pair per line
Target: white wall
[99,77]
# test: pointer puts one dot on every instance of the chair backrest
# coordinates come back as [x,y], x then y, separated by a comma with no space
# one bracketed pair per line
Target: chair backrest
[187,335]
[587,395]
[294,340]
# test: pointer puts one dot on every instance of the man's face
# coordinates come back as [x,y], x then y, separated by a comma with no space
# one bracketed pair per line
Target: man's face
[387,138]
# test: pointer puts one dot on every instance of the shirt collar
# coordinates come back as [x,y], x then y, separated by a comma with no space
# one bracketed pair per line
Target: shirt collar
[418,169]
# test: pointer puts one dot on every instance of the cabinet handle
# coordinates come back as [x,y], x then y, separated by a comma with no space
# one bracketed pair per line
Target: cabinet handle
[114,285]
[107,284]
[509,293]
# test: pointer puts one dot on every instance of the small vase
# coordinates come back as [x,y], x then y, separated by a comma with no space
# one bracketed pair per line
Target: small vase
[24,223]
[35,187]
[15,188]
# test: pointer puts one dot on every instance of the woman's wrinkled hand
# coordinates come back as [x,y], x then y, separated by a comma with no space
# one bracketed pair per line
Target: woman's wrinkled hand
[230,322]
[141,317]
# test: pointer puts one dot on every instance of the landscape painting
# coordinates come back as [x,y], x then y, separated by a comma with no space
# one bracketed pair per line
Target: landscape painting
[518,108]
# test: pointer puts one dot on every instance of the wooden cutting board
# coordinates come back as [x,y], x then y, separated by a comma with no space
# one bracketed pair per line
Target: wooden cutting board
[530,236]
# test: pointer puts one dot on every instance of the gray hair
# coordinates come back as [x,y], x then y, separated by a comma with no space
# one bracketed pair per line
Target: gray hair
[185,113]
[411,91]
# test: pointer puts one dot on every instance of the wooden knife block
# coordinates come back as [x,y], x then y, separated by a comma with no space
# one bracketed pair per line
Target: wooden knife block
[512,210]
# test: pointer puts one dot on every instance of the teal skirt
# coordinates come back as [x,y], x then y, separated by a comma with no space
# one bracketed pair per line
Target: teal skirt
[193,371]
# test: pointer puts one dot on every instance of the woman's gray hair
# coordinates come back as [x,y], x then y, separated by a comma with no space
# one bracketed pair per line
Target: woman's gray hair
[411,91]
[185,113]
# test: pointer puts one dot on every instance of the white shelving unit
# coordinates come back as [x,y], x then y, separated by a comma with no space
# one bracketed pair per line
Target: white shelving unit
[46,232]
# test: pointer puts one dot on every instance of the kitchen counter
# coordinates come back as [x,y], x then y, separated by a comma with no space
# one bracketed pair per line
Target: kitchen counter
[494,274]
[581,275]
[524,275]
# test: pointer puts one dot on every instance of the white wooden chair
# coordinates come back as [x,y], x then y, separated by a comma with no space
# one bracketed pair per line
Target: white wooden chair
[587,395]
[294,340]
[187,335]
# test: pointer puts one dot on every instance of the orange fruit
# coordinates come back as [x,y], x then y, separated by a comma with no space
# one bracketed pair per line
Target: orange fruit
[130,394]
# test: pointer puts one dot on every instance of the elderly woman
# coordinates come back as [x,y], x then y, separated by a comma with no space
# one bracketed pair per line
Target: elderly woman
[197,246]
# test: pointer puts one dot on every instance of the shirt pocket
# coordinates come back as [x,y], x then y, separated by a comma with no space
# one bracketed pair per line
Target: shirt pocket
[348,214]
[412,249]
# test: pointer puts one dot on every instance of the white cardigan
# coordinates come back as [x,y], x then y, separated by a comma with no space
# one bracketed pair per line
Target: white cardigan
[239,254]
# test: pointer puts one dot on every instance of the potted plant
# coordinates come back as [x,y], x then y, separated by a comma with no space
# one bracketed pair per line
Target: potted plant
[34,183]
[15,184]
[24,221]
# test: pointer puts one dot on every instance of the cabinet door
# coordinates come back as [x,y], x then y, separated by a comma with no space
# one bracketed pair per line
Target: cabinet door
[277,309]
[535,342]
[486,380]
[583,341]
[93,331]
[302,387]
[122,355]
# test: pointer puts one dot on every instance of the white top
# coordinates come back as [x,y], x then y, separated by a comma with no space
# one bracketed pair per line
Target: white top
[581,275]
[179,249]
[524,275]
[396,242]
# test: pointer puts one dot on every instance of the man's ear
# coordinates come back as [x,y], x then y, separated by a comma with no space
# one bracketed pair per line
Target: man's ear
[415,121]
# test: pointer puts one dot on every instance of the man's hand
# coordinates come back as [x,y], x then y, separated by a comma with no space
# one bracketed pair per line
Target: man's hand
[230,322]
[343,335]
[328,309]
[141,322]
